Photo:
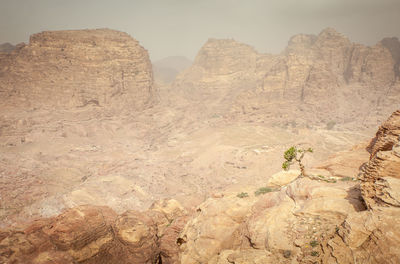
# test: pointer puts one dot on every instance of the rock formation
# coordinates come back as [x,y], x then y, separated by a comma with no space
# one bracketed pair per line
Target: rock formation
[387,135]
[316,80]
[306,221]
[76,68]
[372,236]
[95,234]
[381,175]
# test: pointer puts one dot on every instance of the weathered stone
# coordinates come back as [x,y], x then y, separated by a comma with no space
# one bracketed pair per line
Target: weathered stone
[387,135]
[76,68]
[316,80]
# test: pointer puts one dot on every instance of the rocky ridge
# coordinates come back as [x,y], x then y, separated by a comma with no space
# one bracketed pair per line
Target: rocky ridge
[316,80]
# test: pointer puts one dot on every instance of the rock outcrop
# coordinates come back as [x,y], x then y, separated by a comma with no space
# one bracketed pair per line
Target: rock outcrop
[381,175]
[372,236]
[276,228]
[76,68]
[306,221]
[95,234]
[316,80]
[387,135]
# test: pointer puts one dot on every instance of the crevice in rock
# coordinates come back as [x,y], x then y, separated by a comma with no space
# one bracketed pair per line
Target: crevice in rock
[253,245]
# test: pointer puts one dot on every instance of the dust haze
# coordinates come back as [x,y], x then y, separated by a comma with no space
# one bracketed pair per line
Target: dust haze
[180,28]
[199,131]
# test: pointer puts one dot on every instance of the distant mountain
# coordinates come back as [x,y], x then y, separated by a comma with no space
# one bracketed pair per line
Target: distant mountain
[6,47]
[165,70]
[62,69]
[317,80]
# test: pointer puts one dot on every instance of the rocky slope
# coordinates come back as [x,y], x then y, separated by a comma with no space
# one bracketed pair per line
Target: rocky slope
[316,80]
[305,221]
[71,69]
[294,221]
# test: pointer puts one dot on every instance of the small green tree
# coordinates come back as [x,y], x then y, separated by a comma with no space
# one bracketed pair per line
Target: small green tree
[295,154]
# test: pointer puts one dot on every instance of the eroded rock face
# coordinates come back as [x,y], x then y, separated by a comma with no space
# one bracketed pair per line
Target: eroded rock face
[316,80]
[74,68]
[221,71]
[372,236]
[305,221]
[95,234]
[381,175]
[387,135]
[278,226]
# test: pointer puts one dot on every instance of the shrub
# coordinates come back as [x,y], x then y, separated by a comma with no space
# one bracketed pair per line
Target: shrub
[242,195]
[346,179]
[314,243]
[263,190]
[295,154]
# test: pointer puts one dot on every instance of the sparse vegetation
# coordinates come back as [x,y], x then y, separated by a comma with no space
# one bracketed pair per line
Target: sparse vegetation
[170,222]
[287,253]
[315,253]
[263,190]
[242,195]
[323,178]
[344,179]
[295,154]
[314,243]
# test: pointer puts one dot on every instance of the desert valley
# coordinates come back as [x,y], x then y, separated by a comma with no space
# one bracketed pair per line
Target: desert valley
[106,157]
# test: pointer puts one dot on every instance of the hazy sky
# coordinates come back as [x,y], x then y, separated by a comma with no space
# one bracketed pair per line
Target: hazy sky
[181,27]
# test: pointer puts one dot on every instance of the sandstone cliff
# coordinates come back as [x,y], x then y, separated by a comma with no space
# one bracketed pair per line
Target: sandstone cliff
[316,80]
[75,68]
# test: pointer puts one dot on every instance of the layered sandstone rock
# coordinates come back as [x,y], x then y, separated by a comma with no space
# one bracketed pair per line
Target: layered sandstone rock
[381,175]
[95,234]
[276,227]
[316,80]
[387,135]
[221,71]
[372,236]
[75,68]
[305,221]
